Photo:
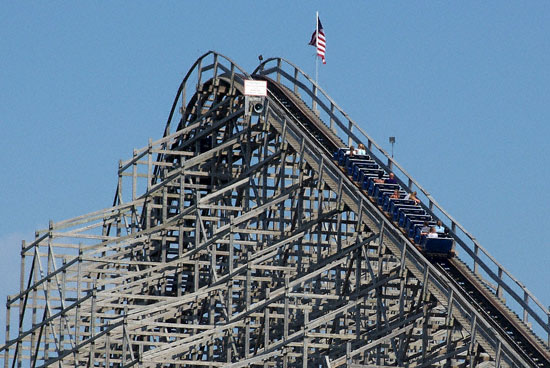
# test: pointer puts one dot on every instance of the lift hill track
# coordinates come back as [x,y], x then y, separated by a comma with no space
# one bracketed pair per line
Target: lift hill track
[480,295]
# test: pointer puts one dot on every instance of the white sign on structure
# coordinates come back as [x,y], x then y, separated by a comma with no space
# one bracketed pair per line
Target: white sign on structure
[255,88]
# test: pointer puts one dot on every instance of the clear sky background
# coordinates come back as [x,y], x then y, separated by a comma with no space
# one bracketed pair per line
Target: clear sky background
[463,86]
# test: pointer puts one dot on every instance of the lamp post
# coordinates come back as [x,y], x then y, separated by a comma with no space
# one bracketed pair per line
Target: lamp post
[392,141]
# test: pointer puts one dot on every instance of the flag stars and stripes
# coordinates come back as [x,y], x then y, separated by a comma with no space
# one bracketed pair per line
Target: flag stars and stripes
[318,40]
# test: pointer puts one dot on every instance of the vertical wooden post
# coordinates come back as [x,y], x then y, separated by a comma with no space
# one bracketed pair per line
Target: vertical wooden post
[476,263]
[150,163]
[266,322]
[92,328]
[348,354]
[7,350]
[350,128]
[247,320]
[134,176]
[22,301]
[332,118]
[306,339]
[499,287]
[119,183]
[108,348]
[526,301]
[314,99]
[295,81]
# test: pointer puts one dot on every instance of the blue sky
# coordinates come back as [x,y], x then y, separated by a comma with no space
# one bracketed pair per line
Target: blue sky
[463,86]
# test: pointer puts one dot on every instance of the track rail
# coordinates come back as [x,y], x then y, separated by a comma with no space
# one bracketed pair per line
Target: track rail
[503,319]
[304,115]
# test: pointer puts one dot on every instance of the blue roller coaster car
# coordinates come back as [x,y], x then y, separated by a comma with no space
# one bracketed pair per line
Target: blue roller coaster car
[437,247]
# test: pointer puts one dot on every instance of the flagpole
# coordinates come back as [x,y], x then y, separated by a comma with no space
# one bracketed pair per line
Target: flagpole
[316,47]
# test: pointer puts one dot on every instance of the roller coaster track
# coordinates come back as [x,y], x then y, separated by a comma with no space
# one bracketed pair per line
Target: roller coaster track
[236,240]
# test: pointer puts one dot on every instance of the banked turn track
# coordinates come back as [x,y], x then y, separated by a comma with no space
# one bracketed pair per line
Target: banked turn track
[235,240]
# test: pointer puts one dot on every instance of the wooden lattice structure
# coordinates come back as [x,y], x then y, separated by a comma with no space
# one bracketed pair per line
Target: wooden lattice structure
[235,240]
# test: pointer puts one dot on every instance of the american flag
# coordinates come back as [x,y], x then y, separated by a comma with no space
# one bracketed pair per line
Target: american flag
[318,40]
